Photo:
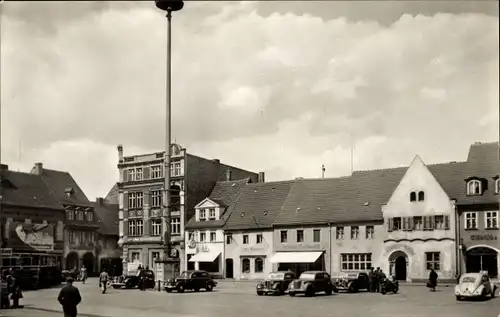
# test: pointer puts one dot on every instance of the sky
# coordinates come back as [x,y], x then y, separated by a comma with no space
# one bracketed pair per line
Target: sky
[280,87]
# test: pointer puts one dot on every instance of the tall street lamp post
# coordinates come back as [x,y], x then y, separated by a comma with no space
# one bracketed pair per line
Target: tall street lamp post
[169,256]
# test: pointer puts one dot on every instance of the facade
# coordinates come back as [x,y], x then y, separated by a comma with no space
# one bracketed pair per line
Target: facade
[31,222]
[80,233]
[204,232]
[249,230]
[107,250]
[140,191]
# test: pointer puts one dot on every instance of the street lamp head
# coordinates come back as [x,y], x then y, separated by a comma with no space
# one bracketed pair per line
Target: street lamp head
[169,5]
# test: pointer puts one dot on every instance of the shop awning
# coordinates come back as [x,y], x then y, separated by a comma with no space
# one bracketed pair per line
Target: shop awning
[295,257]
[204,257]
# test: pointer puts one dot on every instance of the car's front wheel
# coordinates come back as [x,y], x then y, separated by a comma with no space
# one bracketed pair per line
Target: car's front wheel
[209,287]
[292,294]
[310,292]
[180,288]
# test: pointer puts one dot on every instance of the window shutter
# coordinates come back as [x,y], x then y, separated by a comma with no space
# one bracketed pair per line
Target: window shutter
[425,220]
[390,224]
[125,201]
[446,222]
[411,224]
[432,222]
[125,175]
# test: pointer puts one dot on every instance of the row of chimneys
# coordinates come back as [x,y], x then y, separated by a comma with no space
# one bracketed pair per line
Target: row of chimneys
[260,178]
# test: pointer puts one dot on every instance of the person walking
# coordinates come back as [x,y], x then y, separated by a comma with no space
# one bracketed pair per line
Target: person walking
[371,287]
[103,280]
[14,289]
[83,274]
[69,298]
[376,280]
[433,280]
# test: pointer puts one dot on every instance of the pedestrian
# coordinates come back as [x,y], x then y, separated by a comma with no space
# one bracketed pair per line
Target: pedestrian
[83,274]
[371,287]
[14,289]
[432,280]
[69,297]
[103,280]
[376,280]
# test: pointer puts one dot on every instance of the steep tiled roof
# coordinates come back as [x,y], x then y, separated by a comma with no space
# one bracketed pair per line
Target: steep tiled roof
[258,205]
[112,196]
[59,181]
[484,152]
[107,217]
[225,194]
[24,189]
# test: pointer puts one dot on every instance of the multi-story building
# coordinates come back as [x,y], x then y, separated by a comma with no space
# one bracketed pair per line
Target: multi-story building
[107,250]
[80,232]
[478,204]
[249,229]
[204,232]
[140,191]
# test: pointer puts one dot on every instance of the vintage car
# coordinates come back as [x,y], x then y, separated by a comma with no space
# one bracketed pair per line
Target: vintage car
[276,283]
[191,280]
[474,285]
[351,282]
[310,283]
[132,281]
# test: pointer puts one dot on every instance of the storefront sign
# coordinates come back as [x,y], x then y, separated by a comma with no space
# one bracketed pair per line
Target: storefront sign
[400,247]
[203,248]
[253,249]
[488,237]
[298,247]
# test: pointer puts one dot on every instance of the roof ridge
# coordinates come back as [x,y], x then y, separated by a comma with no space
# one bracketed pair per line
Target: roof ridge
[233,181]
[270,183]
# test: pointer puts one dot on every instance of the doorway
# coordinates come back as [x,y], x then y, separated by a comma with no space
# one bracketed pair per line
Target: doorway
[400,268]
[482,259]
[88,260]
[229,268]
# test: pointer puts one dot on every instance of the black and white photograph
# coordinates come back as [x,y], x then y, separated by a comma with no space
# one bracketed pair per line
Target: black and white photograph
[249,158]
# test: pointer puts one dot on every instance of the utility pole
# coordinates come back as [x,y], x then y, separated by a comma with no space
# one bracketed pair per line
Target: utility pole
[323,171]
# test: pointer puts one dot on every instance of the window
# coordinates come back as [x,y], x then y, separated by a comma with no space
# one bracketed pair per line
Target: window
[497,186]
[71,215]
[156,171]
[316,235]
[90,216]
[421,196]
[131,174]
[354,232]
[491,219]
[79,215]
[138,174]
[156,227]
[439,222]
[370,232]
[474,187]
[135,227]
[418,223]
[340,233]
[202,236]
[471,220]
[212,236]
[72,237]
[135,256]
[432,261]
[413,196]
[175,169]
[260,238]
[300,236]
[245,266]
[245,239]
[155,255]
[356,261]
[229,238]
[175,225]
[396,224]
[135,200]
[284,236]
[259,265]
[203,214]
[211,213]
[156,198]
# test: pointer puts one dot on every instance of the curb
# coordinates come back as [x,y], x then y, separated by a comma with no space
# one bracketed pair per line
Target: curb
[60,312]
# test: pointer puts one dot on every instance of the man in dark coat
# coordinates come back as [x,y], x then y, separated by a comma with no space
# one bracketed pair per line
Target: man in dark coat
[371,286]
[433,277]
[14,289]
[376,280]
[69,298]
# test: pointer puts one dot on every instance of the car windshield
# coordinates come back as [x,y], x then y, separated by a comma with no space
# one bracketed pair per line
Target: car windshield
[185,274]
[307,276]
[276,276]
[468,279]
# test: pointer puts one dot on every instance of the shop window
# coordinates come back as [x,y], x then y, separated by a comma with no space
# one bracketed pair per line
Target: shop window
[259,265]
[245,266]
[413,196]
[339,233]
[316,235]
[300,236]
[491,219]
[284,236]
[433,261]
[356,261]
[470,220]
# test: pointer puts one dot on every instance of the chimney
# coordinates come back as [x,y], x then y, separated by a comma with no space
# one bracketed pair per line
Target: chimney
[228,174]
[216,161]
[4,167]
[120,152]
[38,168]
[100,201]
[261,178]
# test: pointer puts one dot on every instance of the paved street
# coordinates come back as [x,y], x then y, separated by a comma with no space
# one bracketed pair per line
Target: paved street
[239,299]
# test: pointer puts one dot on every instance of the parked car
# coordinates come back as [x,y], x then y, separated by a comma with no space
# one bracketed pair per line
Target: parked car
[310,283]
[389,284]
[276,283]
[475,285]
[351,282]
[191,280]
[132,281]
[65,274]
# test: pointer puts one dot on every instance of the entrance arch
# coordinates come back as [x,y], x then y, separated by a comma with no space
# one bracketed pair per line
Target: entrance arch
[72,260]
[88,260]
[229,268]
[398,265]
[482,258]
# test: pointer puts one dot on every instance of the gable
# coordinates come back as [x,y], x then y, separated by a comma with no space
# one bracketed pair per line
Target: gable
[206,203]
[416,179]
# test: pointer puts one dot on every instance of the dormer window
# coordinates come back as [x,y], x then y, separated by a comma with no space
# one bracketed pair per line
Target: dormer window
[497,185]
[211,213]
[421,196]
[203,215]
[474,187]
[69,191]
[413,196]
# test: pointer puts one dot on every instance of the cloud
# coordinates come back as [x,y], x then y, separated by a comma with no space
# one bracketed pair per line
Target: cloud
[279,92]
